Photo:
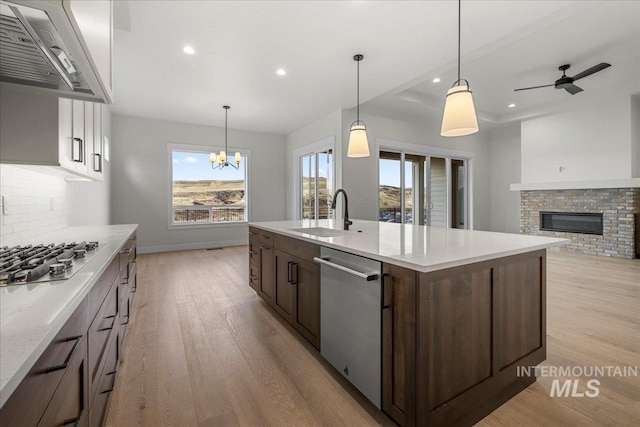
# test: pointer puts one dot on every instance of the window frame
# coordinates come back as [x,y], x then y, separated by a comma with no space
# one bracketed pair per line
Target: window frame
[205,149]
[315,148]
[403,148]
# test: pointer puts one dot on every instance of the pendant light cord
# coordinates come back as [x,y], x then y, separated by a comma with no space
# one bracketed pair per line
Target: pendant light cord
[358,92]
[226,113]
[459,13]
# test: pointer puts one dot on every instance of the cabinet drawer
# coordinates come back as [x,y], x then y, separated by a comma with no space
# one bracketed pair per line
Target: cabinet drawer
[101,288]
[254,251]
[298,248]
[29,401]
[106,382]
[99,333]
[69,405]
[264,238]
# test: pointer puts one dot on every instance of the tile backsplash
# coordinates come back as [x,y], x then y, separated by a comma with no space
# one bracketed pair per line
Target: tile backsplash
[33,203]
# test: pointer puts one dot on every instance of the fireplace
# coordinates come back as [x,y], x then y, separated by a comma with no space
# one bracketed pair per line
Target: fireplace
[596,221]
[571,222]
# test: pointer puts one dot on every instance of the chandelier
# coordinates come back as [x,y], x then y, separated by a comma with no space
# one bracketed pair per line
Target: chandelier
[220,161]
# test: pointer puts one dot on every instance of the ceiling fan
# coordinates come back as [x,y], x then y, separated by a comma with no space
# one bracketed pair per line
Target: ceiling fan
[565,82]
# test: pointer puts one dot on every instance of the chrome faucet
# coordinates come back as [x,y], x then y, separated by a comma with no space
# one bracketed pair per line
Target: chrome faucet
[347,223]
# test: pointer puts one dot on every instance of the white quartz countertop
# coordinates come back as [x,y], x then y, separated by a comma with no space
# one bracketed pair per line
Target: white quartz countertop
[32,314]
[418,247]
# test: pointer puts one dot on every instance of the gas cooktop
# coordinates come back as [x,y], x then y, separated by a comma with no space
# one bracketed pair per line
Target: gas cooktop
[20,265]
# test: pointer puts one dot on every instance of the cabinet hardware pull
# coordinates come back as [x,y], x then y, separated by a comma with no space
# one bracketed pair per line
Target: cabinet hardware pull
[254,277]
[265,248]
[107,391]
[384,295]
[97,162]
[75,421]
[112,372]
[125,251]
[294,280]
[251,233]
[112,323]
[253,252]
[64,365]
[289,264]
[76,157]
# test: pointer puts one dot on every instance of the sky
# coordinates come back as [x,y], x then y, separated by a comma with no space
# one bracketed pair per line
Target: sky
[196,167]
[390,173]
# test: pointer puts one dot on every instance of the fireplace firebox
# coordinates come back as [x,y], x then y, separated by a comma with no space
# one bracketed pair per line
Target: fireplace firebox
[571,222]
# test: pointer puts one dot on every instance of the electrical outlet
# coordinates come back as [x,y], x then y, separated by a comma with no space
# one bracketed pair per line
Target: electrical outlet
[5,206]
[562,169]
[52,207]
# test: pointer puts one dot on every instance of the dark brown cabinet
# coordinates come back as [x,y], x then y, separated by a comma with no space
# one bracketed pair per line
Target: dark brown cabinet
[71,382]
[452,338]
[261,264]
[63,362]
[286,277]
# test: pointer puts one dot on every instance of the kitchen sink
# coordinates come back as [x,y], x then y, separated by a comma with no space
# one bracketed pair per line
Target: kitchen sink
[320,231]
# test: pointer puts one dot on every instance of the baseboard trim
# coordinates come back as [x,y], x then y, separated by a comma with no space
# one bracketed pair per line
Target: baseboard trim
[190,246]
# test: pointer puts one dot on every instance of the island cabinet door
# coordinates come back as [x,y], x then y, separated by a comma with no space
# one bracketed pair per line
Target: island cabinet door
[283,301]
[306,278]
[399,344]
[267,274]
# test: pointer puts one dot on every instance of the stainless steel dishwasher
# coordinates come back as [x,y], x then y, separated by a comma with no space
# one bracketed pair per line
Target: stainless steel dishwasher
[351,319]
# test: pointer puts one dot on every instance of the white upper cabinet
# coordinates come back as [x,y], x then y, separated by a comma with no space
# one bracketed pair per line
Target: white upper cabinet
[56,135]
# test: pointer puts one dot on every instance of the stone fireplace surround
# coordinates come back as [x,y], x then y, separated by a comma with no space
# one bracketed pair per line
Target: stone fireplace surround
[619,207]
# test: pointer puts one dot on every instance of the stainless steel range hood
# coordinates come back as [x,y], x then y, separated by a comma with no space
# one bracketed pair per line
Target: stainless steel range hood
[41,49]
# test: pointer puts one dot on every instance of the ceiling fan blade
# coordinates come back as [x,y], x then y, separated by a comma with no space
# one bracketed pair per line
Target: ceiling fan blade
[532,87]
[573,89]
[601,66]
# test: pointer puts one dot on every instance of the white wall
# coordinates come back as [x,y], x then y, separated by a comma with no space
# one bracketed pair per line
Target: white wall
[505,170]
[90,202]
[360,176]
[593,142]
[140,180]
[635,136]
[325,127]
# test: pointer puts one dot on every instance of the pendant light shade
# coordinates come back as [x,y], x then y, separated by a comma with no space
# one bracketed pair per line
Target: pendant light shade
[459,117]
[358,142]
[220,161]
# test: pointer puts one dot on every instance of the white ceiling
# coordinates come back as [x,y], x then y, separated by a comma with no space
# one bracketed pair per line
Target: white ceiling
[240,45]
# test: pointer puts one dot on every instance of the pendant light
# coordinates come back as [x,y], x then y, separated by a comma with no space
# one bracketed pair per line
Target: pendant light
[459,116]
[358,143]
[220,161]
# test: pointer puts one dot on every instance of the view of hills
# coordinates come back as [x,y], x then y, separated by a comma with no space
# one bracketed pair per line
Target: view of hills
[208,192]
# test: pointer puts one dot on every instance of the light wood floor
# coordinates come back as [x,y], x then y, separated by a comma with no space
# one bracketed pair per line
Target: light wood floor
[204,350]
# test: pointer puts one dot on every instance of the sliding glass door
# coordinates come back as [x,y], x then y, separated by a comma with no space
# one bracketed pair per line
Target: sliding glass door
[316,185]
[422,189]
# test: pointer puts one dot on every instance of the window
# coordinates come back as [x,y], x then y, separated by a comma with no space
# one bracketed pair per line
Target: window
[200,194]
[316,185]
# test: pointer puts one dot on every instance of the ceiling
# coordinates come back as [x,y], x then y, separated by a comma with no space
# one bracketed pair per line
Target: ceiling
[240,44]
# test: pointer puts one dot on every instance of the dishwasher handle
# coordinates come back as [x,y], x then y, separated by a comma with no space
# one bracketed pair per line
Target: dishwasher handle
[368,277]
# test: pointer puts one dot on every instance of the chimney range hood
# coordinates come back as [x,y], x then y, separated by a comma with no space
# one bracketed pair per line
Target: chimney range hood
[43,48]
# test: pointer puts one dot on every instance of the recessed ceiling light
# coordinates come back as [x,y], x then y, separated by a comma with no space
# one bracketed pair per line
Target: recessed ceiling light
[189,50]
[436,80]
[281,72]
[511,105]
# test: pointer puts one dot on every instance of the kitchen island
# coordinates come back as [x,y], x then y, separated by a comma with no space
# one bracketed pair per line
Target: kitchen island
[461,309]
